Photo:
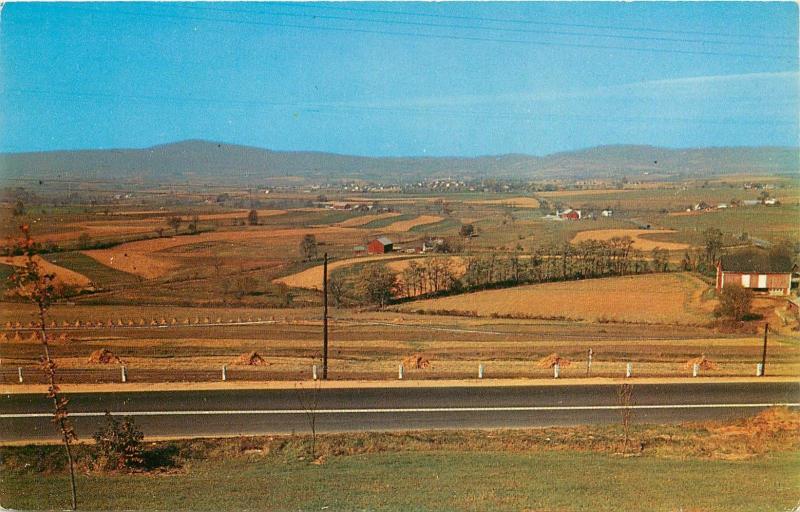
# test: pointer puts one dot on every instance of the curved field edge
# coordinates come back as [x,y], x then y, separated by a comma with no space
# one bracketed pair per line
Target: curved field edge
[675,298]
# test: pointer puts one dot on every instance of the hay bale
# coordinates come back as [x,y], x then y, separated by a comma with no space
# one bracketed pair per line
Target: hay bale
[416,362]
[8,325]
[3,337]
[142,321]
[77,323]
[63,338]
[18,324]
[250,359]
[551,360]
[173,321]
[206,320]
[130,323]
[52,323]
[33,338]
[17,338]
[64,324]
[218,320]
[104,356]
[702,362]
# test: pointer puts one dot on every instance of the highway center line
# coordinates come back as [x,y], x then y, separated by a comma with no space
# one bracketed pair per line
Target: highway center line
[406,410]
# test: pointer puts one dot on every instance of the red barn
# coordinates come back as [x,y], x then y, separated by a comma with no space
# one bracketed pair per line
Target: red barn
[380,246]
[756,270]
[570,214]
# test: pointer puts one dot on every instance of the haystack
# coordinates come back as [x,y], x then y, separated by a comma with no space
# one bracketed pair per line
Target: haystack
[553,359]
[16,337]
[701,362]
[104,356]
[3,337]
[416,361]
[250,359]
[77,323]
[130,322]
[62,338]
[8,325]
[65,324]
[18,325]
[206,320]
[33,338]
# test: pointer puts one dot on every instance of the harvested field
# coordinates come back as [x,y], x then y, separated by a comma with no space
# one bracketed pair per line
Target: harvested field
[312,278]
[140,257]
[654,298]
[405,225]
[637,235]
[64,275]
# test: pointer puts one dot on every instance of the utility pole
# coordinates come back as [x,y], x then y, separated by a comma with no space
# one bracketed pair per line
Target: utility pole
[325,318]
[764,352]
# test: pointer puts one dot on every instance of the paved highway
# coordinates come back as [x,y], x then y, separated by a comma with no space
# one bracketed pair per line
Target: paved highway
[230,412]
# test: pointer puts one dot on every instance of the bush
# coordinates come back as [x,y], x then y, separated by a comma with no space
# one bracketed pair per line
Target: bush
[119,444]
[734,302]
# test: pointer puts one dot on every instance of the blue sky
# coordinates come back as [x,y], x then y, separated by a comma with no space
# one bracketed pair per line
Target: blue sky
[399,78]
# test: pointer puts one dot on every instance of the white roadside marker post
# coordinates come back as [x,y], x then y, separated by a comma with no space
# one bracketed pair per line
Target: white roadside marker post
[556,371]
[314,372]
[695,369]
[124,374]
[628,370]
[19,371]
[759,370]
[480,371]
[400,372]
[224,372]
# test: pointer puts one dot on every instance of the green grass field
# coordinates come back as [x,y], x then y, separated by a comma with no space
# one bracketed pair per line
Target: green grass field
[447,480]
[382,223]
[99,274]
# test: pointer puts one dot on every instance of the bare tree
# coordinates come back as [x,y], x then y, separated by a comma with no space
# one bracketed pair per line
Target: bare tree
[625,400]
[175,223]
[252,217]
[30,282]
[308,247]
[309,401]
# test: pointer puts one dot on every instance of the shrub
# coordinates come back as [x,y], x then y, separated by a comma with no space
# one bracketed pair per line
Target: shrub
[119,444]
[734,302]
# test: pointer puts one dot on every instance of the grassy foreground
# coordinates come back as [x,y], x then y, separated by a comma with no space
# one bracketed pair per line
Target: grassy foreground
[746,465]
[434,481]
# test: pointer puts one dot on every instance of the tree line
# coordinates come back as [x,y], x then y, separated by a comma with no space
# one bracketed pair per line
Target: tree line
[436,275]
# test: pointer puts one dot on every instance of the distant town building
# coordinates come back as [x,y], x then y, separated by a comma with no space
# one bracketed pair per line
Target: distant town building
[380,245]
[754,269]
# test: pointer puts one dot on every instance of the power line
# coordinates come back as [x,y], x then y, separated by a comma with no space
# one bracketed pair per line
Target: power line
[442,36]
[323,108]
[548,23]
[494,29]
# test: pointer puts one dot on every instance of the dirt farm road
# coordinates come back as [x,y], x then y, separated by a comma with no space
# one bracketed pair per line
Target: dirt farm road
[26,417]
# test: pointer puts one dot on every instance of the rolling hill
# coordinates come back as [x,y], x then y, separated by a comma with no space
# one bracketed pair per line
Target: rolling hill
[213,161]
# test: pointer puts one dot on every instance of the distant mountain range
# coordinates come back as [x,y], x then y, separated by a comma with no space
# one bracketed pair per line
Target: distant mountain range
[212,161]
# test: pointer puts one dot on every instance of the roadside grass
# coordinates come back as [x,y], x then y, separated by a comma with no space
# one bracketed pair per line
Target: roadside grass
[438,481]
